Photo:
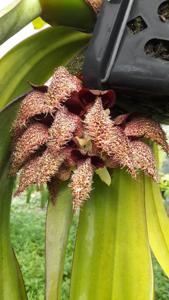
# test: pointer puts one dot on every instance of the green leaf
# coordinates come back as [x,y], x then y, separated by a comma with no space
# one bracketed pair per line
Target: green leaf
[21,283]
[158,224]
[112,256]
[11,282]
[16,15]
[35,59]
[11,286]
[59,219]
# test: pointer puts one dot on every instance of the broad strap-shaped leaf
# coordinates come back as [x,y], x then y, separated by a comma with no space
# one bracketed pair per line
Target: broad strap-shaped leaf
[59,219]
[21,283]
[16,15]
[133,265]
[36,58]
[11,284]
[158,223]
[112,256]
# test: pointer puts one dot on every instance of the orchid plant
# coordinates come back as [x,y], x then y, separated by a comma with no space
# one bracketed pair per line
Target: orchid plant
[98,161]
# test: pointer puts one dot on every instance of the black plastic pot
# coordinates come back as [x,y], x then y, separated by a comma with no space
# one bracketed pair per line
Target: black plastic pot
[129,52]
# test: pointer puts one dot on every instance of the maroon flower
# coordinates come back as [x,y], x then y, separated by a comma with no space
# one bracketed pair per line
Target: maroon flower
[67,132]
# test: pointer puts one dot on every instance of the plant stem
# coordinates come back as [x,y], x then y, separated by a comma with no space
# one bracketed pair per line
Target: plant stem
[16,16]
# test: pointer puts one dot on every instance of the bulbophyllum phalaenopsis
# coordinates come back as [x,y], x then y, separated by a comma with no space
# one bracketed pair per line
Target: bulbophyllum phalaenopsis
[67,132]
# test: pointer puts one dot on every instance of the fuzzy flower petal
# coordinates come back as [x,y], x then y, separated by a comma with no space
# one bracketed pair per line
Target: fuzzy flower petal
[144,159]
[107,138]
[32,105]
[62,130]
[81,183]
[61,87]
[39,170]
[28,175]
[32,139]
[48,166]
[119,120]
[144,127]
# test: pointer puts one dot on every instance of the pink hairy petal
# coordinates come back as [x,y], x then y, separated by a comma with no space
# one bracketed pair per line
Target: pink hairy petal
[28,175]
[112,163]
[107,138]
[39,170]
[119,120]
[143,159]
[62,86]
[31,140]
[32,105]
[48,166]
[62,129]
[81,183]
[150,129]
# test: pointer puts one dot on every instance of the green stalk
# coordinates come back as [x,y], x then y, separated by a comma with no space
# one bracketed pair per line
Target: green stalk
[16,16]
[59,219]
[11,283]
[112,256]
[73,13]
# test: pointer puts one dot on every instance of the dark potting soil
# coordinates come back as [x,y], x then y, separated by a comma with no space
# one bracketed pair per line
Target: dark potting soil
[155,48]
[164,11]
[158,49]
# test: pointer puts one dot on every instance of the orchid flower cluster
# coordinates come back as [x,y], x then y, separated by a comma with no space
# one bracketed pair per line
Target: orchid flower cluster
[65,131]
